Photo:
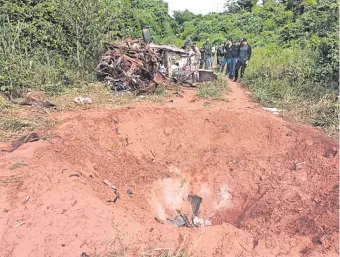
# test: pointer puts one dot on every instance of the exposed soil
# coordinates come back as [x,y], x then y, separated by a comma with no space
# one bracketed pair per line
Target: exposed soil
[269,187]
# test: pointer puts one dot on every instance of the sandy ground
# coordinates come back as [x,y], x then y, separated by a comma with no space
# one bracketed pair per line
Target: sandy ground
[269,187]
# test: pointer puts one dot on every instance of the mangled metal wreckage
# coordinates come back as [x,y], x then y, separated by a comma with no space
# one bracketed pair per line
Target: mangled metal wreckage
[132,65]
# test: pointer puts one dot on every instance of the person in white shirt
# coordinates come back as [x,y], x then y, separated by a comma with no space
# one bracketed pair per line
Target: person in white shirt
[213,50]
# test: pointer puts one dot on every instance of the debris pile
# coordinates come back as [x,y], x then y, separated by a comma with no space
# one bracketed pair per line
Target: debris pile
[132,65]
[182,219]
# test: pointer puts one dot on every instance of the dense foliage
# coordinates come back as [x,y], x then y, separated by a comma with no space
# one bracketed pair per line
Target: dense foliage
[49,44]
[295,64]
[306,25]
[54,44]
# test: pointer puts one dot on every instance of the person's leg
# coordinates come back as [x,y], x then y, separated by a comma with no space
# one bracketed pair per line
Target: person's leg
[224,60]
[243,68]
[238,65]
[233,66]
[206,64]
[229,66]
[227,71]
[201,61]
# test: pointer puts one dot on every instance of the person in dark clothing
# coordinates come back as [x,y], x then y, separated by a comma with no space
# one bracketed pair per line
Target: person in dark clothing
[244,55]
[188,44]
[227,56]
[206,54]
[220,54]
[234,56]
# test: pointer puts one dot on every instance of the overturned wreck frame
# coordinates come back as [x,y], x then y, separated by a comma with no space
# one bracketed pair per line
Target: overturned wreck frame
[132,65]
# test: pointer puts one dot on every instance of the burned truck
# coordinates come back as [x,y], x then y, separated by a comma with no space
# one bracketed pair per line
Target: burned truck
[133,65]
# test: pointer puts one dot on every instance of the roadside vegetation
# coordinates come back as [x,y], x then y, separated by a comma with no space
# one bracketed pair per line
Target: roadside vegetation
[284,81]
[54,45]
[214,89]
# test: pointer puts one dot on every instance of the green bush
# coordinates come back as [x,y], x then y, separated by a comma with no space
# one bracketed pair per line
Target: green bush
[53,44]
[284,79]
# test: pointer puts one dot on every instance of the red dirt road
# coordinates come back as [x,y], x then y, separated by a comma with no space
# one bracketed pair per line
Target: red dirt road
[269,187]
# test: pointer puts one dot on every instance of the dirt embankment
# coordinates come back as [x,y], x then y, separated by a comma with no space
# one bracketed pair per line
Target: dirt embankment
[269,187]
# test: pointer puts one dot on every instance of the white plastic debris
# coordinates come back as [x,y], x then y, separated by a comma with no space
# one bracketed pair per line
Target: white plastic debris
[273,110]
[199,222]
[27,198]
[82,100]
[207,223]
[20,224]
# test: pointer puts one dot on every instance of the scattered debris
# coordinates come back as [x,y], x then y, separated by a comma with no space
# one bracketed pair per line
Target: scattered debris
[330,152]
[206,75]
[108,183]
[273,110]
[36,98]
[195,203]
[201,222]
[159,220]
[180,221]
[115,199]
[84,255]
[75,175]
[289,134]
[317,241]
[82,100]
[129,192]
[298,165]
[20,224]
[31,137]
[181,144]
[27,198]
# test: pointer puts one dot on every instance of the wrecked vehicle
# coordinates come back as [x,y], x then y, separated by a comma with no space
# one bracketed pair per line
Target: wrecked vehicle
[133,65]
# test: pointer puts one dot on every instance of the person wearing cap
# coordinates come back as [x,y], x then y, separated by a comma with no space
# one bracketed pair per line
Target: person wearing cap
[206,53]
[244,55]
[234,54]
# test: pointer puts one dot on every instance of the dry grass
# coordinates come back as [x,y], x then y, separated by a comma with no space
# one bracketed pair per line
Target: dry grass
[214,89]
[102,97]
[16,120]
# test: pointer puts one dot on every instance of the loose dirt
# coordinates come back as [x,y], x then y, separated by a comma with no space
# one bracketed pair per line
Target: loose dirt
[269,187]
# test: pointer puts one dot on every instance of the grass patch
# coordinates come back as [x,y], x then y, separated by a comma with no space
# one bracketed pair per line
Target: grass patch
[102,97]
[285,80]
[214,89]
[14,120]
[18,165]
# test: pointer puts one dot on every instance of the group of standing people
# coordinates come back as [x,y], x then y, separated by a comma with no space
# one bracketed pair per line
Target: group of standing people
[235,55]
